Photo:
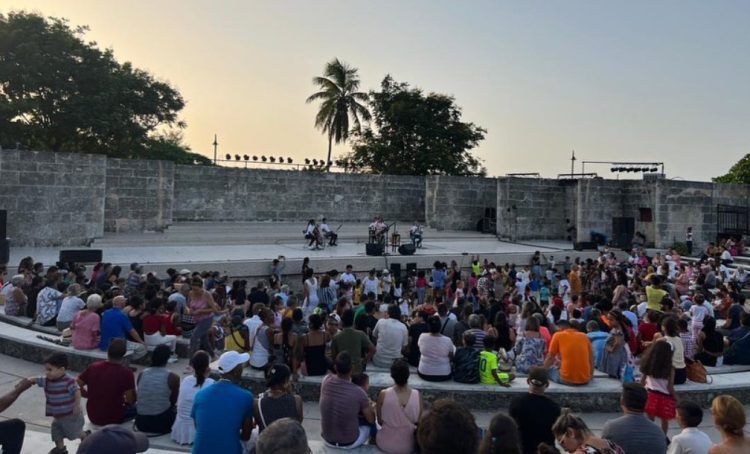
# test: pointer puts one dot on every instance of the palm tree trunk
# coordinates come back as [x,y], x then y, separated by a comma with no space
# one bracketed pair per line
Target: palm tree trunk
[330,142]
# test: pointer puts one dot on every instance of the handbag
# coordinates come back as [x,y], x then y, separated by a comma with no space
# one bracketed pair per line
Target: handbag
[696,372]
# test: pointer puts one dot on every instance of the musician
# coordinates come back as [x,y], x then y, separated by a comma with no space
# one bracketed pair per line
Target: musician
[312,233]
[379,229]
[415,233]
[328,233]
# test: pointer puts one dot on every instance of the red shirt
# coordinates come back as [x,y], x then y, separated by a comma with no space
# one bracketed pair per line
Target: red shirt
[171,328]
[152,324]
[647,331]
[106,384]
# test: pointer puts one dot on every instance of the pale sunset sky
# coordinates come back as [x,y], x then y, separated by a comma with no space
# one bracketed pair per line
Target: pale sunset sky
[637,80]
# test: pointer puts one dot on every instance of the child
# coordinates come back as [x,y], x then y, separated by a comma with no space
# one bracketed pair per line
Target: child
[363,381]
[488,372]
[466,361]
[358,292]
[686,335]
[657,375]
[63,401]
[690,440]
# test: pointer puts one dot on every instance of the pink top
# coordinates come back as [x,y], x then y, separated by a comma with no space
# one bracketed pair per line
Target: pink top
[85,328]
[197,304]
[396,435]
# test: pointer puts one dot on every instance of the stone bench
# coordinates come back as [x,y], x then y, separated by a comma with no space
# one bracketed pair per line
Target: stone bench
[601,395]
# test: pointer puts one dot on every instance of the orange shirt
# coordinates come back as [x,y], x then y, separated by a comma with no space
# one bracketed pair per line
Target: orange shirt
[574,349]
[575,283]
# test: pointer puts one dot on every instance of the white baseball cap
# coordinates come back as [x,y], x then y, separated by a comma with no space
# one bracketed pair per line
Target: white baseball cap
[231,359]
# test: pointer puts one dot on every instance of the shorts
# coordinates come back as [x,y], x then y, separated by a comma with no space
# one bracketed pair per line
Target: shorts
[660,405]
[69,427]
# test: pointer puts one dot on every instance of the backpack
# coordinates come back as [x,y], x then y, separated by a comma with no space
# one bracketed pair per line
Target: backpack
[466,365]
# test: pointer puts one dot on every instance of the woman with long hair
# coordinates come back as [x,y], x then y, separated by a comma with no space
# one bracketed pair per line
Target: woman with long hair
[616,350]
[310,292]
[710,343]
[657,375]
[183,429]
[501,436]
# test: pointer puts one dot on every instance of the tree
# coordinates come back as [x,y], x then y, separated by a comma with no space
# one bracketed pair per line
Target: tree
[416,134]
[60,93]
[340,103]
[169,147]
[738,174]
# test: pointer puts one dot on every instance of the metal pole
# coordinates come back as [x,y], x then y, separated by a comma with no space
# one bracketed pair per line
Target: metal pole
[572,164]
[215,144]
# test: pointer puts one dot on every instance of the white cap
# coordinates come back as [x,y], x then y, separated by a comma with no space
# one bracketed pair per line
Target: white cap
[386,271]
[231,359]
[184,271]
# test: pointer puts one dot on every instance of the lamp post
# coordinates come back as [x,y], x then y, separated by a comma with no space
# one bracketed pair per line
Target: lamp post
[216,145]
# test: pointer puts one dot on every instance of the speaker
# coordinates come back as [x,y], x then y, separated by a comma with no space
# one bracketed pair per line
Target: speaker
[374,248]
[396,270]
[584,245]
[407,249]
[411,268]
[4,251]
[81,255]
[3,224]
[623,230]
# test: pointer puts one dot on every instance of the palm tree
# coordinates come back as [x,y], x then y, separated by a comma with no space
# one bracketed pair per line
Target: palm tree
[340,102]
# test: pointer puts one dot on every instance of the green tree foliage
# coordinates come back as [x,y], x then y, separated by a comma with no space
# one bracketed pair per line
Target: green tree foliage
[416,134]
[60,93]
[340,103]
[739,173]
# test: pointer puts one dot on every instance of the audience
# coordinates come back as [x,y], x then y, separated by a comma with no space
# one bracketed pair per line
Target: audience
[570,360]
[691,440]
[399,409]
[86,325]
[448,428]
[633,431]
[535,413]
[283,436]
[729,419]
[392,336]
[279,401]
[573,435]
[183,429]
[436,352]
[158,389]
[501,437]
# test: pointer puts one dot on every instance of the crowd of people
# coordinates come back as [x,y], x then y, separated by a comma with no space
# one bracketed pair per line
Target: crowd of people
[643,320]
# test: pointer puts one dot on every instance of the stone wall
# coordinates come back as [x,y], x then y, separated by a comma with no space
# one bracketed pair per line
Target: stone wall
[226,194]
[52,198]
[534,208]
[139,195]
[457,203]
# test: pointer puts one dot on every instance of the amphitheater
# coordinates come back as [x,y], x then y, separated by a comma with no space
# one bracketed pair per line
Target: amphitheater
[236,221]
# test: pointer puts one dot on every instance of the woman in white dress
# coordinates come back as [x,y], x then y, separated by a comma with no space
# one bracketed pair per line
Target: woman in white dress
[183,429]
[311,293]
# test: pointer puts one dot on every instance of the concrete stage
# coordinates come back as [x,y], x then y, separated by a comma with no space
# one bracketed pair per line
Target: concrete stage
[245,249]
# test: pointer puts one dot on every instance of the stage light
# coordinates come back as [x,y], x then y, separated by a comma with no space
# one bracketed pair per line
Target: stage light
[315,162]
[237,157]
[272,159]
[307,161]
[330,163]
[255,158]
[613,169]
[289,160]
[228,157]
[246,157]
[281,160]
[263,158]
[654,169]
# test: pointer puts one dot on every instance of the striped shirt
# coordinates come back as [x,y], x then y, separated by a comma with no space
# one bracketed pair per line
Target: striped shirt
[60,394]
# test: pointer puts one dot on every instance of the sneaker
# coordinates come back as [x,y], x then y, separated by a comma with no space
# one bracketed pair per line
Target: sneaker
[172,359]
[57,450]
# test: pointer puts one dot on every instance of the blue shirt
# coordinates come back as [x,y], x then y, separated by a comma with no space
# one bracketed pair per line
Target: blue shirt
[438,279]
[598,341]
[218,412]
[115,325]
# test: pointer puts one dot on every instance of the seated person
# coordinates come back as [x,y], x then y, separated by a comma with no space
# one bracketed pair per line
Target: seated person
[415,233]
[328,233]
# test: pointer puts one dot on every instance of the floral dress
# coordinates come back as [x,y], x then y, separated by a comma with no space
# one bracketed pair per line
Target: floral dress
[529,352]
[611,448]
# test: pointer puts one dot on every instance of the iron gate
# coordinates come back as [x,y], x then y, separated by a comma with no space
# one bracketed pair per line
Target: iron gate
[732,220]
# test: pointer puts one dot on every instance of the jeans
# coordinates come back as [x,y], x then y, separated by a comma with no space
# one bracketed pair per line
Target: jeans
[11,436]
[199,338]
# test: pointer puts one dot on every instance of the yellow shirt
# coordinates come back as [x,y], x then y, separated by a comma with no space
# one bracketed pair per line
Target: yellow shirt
[487,363]
[654,297]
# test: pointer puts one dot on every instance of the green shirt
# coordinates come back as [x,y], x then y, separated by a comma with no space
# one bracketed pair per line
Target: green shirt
[359,311]
[353,341]
[487,363]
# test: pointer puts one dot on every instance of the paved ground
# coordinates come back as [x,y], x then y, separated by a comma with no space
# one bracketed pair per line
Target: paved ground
[30,408]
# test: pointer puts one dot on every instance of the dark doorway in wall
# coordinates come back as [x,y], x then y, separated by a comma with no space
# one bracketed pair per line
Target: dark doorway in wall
[623,230]
[645,215]
[732,220]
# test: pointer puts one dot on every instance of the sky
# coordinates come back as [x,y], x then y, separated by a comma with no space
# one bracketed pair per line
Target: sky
[640,80]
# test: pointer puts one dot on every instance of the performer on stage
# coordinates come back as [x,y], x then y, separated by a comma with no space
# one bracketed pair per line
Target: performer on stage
[312,233]
[415,233]
[328,233]
[378,228]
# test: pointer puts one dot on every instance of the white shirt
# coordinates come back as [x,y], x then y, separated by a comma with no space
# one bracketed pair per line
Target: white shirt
[434,354]
[726,256]
[324,228]
[371,286]
[415,229]
[348,278]
[253,324]
[310,228]
[392,336]
[690,441]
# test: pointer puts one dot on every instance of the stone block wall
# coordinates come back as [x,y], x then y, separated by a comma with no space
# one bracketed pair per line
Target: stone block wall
[52,199]
[226,194]
[457,203]
[139,195]
[534,208]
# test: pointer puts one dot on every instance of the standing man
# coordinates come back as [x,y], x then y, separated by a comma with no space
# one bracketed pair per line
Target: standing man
[689,240]
[223,412]
[633,432]
[534,412]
